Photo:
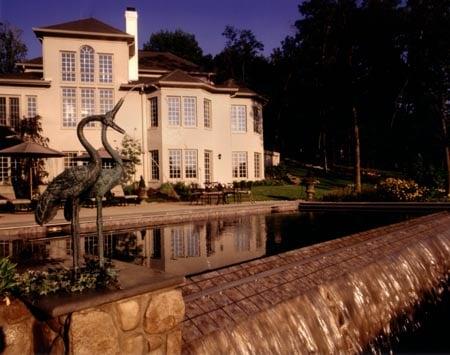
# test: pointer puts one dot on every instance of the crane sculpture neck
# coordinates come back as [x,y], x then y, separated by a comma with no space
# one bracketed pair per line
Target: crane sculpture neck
[116,156]
[95,157]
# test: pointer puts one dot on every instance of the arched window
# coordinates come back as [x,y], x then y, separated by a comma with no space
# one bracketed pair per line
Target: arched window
[87,64]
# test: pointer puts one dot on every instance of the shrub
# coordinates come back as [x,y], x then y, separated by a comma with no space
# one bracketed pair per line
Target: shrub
[182,190]
[7,278]
[395,189]
[167,191]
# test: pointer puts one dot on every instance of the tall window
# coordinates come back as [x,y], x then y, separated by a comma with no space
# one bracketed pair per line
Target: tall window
[4,169]
[10,111]
[154,163]
[69,160]
[193,241]
[238,118]
[239,164]
[208,166]
[177,239]
[31,106]
[105,74]
[175,163]
[3,120]
[69,107]
[87,104]
[257,164]
[207,113]
[14,112]
[257,119]
[87,64]
[189,111]
[174,110]
[68,66]
[154,112]
[106,101]
[190,163]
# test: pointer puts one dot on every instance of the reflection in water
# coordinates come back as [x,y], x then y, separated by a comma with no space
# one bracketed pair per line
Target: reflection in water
[181,249]
[192,248]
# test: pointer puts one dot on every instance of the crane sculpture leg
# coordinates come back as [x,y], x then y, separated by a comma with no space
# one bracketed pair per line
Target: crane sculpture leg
[101,240]
[75,227]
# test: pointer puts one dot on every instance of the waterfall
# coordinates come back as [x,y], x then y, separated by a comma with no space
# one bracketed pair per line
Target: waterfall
[343,315]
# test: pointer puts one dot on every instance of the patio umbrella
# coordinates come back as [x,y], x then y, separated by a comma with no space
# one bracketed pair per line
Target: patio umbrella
[30,150]
[104,155]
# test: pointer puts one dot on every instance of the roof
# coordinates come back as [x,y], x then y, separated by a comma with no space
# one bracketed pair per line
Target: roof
[85,25]
[23,79]
[84,28]
[165,61]
[179,76]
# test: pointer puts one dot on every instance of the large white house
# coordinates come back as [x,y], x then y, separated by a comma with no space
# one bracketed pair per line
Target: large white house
[190,128]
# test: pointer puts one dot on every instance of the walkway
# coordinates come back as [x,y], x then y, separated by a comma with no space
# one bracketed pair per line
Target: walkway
[145,214]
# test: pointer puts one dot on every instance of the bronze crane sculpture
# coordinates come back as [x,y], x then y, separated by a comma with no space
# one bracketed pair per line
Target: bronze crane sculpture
[74,182]
[107,179]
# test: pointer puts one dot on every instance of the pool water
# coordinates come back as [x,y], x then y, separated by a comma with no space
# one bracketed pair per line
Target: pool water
[193,248]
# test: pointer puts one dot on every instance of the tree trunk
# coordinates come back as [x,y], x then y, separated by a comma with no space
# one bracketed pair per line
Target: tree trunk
[446,149]
[357,160]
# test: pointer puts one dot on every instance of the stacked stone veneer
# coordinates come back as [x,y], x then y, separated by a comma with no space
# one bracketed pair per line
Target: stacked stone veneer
[143,324]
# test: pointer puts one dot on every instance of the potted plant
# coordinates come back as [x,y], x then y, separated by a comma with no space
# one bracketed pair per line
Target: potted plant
[142,191]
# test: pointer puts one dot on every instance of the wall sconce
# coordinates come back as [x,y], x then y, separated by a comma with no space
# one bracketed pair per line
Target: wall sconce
[219,156]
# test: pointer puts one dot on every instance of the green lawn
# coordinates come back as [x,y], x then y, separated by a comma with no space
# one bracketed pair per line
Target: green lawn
[291,192]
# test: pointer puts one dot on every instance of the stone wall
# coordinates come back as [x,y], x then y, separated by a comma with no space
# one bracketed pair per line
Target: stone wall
[143,324]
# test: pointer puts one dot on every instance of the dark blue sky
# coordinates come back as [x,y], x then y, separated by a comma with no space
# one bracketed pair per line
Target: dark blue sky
[270,20]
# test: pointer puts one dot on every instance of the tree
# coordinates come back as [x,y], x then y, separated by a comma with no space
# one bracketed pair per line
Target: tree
[30,130]
[132,150]
[178,42]
[12,49]
[241,54]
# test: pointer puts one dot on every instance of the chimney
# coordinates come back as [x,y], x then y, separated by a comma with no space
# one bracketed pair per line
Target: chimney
[132,29]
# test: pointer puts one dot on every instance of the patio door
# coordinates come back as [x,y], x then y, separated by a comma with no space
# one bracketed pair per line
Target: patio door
[208,166]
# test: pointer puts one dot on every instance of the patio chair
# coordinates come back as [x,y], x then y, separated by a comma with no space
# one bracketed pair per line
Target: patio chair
[119,197]
[9,202]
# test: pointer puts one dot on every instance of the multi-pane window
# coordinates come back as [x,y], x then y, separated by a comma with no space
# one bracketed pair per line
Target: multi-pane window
[31,106]
[68,66]
[239,164]
[174,110]
[69,159]
[3,120]
[175,163]
[207,113]
[177,239]
[257,164]
[238,118]
[193,242]
[105,74]
[257,119]
[107,164]
[189,111]
[14,112]
[154,163]
[10,111]
[154,112]
[88,104]
[4,169]
[106,102]
[190,163]
[69,107]
[87,64]
[208,166]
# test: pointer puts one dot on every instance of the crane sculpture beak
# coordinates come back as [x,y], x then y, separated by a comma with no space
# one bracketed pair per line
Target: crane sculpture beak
[109,117]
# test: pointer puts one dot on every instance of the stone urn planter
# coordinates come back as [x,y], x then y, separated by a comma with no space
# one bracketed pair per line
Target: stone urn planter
[310,183]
